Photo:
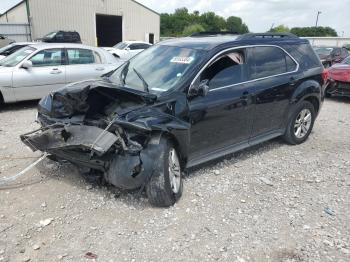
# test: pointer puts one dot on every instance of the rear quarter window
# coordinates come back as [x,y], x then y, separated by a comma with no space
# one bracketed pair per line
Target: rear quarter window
[304,54]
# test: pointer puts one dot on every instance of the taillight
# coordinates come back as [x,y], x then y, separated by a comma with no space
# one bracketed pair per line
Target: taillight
[324,75]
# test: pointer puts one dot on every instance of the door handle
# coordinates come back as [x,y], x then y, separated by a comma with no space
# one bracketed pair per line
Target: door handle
[292,81]
[55,71]
[245,96]
[100,69]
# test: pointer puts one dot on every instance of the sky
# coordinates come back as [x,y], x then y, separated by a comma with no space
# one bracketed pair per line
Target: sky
[259,15]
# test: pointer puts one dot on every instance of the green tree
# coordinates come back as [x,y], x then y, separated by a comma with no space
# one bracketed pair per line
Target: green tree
[280,29]
[235,24]
[192,29]
[212,22]
[314,31]
[181,22]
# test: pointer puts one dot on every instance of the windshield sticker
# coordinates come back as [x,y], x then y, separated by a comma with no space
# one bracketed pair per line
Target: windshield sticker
[182,60]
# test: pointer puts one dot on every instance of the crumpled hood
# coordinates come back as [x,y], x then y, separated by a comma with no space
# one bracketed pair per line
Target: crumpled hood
[80,97]
[340,72]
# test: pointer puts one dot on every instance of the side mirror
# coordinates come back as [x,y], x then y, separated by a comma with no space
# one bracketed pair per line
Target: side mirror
[27,64]
[127,49]
[200,89]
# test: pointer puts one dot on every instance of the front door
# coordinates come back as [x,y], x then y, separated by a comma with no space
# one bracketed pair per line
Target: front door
[47,74]
[223,117]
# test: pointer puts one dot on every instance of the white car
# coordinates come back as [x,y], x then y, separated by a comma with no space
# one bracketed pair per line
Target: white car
[36,70]
[128,49]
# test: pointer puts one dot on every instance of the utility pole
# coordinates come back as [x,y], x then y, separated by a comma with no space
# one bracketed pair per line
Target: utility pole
[318,14]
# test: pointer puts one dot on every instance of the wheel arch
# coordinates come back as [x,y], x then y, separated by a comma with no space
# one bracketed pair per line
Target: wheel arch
[310,91]
[179,141]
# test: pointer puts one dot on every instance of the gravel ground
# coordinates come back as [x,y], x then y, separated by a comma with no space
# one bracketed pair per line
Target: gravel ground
[273,202]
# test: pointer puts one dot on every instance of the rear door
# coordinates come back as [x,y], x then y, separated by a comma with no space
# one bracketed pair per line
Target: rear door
[47,74]
[273,76]
[84,64]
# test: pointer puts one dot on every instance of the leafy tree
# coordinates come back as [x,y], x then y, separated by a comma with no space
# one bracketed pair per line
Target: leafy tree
[192,29]
[181,22]
[280,29]
[212,22]
[314,31]
[235,24]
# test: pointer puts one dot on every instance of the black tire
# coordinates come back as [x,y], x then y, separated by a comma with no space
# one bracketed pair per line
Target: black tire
[158,189]
[290,136]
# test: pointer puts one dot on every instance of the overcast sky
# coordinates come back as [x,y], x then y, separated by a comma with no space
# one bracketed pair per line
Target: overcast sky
[259,15]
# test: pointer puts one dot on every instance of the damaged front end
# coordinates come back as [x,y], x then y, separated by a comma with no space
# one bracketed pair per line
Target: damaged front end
[115,131]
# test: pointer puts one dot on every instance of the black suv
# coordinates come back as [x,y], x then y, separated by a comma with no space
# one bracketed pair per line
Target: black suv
[181,103]
[62,37]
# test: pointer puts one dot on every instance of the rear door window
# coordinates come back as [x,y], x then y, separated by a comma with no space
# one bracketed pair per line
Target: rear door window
[269,61]
[80,56]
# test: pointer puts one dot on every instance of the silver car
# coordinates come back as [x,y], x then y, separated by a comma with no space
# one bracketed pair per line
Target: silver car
[35,70]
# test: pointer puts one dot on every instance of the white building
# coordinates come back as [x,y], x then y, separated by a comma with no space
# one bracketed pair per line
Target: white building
[99,22]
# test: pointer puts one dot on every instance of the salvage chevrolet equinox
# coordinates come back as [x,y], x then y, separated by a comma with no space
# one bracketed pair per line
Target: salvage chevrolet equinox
[181,103]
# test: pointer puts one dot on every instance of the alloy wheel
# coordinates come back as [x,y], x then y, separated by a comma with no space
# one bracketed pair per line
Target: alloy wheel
[174,171]
[302,123]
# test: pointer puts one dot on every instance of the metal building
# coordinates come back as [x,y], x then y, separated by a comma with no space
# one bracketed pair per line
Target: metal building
[99,22]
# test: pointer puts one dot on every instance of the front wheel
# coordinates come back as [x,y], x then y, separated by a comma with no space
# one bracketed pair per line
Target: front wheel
[300,124]
[166,185]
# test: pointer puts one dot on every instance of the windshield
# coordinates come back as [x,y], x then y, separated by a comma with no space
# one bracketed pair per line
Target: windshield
[120,45]
[5,48]
[17,57]
[157,69]
[346,61]
[50,35]
[323,51]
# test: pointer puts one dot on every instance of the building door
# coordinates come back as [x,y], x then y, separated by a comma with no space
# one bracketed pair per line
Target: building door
[109,30]
[151,38]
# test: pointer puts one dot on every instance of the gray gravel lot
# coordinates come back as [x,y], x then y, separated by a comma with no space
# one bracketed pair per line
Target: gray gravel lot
[267,203]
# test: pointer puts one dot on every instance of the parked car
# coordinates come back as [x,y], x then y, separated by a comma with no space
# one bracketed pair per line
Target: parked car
[339,79]
[128,49]
[4,41]
[347,47]
[331,55]
[38,69]
[11,48]
[61,37]
[181,103]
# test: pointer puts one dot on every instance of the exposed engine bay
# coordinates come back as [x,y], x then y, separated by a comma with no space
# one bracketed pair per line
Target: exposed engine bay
[114,131]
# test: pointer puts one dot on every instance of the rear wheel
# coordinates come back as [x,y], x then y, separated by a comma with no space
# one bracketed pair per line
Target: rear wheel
[300,124]
[166,185]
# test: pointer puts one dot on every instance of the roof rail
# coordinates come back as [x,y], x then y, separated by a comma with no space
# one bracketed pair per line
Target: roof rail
[267,35]
[212,33]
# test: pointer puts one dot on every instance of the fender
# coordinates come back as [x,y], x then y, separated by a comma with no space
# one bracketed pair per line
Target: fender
[7,94]
[309,89]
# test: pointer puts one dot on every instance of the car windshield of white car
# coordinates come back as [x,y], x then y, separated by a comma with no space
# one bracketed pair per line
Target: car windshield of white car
[120,45]
[17,57]
[5,48]
[157,69]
